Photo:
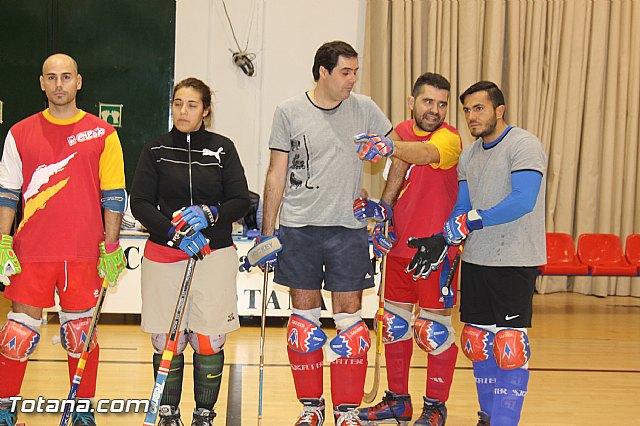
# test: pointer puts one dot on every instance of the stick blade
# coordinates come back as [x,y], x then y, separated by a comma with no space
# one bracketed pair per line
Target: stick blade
[370,396]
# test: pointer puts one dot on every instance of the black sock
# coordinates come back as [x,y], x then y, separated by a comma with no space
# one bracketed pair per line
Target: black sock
[207,377]
[173,387]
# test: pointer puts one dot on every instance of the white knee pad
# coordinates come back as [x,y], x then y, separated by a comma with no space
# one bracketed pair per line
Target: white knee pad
[159,340]
[204,344]
[395,323]
[19,336]
[433,333]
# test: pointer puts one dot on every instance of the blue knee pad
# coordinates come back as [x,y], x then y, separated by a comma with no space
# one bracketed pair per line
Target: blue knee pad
[353,339]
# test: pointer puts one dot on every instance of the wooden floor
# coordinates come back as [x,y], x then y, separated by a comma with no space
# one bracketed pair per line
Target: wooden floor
[585,369]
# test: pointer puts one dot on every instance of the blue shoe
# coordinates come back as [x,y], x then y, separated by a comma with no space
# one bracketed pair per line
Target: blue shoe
[392,407]
[7,417]
[82,419]
[434,413]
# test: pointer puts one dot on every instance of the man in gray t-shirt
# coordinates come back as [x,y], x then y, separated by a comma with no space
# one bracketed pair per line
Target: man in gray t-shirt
[313,179]
[499,214]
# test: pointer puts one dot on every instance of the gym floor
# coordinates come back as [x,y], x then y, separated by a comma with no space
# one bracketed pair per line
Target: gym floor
[585,369]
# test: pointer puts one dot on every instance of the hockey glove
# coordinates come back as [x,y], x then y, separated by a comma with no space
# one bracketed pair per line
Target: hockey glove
[430,253]
[457,228]
[189,241]
[263,254]
[198,216]
[364,209]
[381,243]
[9,263]
[373,147]
[111,262]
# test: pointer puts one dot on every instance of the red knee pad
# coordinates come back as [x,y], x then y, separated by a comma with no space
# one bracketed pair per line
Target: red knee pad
[429,335]
[74,333]
[17,341]
[511,348]
[476,343]
[303,336]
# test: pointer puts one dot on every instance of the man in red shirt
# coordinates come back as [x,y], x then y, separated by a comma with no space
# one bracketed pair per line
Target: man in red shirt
[67,167]
[422,195]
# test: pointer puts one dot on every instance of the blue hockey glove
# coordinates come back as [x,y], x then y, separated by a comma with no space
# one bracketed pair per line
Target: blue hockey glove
[198,216]
[430,253]
[263,254]
[382,244]
[189,241]
[373,147]
[364,209]
[457,228]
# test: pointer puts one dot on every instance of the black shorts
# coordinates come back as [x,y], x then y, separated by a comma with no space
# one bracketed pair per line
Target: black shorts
[499,295]
[335,255]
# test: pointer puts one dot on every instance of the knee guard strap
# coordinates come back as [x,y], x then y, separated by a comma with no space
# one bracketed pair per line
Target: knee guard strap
[511,348]
[74,331]
[433,333]
[19,336]
[395,323]
[351,342]
[203,344]
[476,342]
[304,335]
[159,341]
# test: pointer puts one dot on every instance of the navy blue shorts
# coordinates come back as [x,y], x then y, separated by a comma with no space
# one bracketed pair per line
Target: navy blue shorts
[335,255]
[500,295]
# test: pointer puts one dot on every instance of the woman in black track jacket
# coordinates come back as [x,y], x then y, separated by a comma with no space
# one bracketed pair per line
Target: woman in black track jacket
[189,187]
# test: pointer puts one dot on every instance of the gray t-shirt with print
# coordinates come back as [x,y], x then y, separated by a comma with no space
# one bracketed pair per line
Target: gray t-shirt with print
[325,173]
[488,174]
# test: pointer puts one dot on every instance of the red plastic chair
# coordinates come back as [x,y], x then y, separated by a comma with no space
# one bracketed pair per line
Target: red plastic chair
[632,250]
[561,256]
[603,254]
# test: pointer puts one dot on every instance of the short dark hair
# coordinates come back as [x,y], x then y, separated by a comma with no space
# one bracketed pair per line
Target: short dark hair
[328,54]
[430,79]
[494,92]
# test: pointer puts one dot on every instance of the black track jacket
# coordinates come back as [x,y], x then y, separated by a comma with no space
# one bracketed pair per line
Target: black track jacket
[170,171]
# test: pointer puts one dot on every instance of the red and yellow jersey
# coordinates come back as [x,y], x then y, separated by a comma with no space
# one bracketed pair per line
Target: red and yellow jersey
[429,192]
[61,167]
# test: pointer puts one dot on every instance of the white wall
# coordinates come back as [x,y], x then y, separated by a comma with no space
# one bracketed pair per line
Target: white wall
[285,35]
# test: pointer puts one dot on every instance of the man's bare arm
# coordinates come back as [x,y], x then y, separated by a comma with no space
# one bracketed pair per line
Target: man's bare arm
[274,190]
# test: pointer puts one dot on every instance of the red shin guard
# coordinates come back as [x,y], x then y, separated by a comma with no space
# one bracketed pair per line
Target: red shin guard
[440,373]
[12,373]
[398,357]
[87,387]
[347,380]
[307,373]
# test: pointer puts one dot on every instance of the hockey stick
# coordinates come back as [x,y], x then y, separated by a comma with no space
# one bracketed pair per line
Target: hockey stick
[77,377]
[263,320]
[169,347]
[371,395]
